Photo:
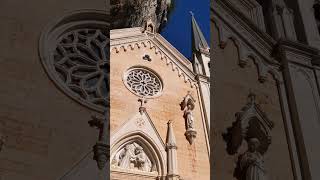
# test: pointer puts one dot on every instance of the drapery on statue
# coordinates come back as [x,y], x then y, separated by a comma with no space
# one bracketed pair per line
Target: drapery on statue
[124,157]
[251,162]
[133,157]
[187,106]
[188,115]
[140,160]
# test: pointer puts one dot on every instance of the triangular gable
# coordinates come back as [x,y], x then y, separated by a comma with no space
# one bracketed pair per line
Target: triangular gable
[139,124]
[123,39]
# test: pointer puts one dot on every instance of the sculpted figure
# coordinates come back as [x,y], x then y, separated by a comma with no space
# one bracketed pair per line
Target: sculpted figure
[189,117]
[251,162]
[140,160]
[124,157]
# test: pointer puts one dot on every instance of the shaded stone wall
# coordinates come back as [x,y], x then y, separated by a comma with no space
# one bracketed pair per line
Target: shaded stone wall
[47,132]
[232,85]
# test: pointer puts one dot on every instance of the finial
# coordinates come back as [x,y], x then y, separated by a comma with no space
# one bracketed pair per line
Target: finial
[191,13]
[142,101]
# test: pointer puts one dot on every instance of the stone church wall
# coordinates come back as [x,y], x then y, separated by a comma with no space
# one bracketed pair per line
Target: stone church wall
[47,132]
[192,159]
[232,85]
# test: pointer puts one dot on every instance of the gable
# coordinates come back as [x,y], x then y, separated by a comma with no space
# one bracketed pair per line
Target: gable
[131,39]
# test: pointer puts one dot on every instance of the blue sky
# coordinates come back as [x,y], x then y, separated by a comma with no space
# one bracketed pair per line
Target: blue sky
[178,28]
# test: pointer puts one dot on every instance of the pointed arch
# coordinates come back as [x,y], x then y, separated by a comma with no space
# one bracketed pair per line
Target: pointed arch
[149,147]
[139,129]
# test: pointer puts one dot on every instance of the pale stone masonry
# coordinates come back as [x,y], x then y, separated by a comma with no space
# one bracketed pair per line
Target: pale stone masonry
[152,83]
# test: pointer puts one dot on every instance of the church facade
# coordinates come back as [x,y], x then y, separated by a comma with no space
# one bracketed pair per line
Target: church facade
[159,106]
[265,99]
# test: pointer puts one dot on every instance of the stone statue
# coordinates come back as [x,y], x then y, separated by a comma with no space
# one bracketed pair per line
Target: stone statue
[133,157]
[251,162]
[140,160]
[125,156]
[188,114]
[187,106]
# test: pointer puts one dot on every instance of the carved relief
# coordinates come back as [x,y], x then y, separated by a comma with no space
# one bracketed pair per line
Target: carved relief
[187,105]
[252,126]
[132,156]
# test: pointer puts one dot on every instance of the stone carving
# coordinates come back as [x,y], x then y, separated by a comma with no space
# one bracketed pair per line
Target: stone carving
[132,156]
[187,105]
[250,122]
[253,126]
[101,148]
[142,108]
[80,62]
[74,51]
[147,58]
[250,164]
[143,82]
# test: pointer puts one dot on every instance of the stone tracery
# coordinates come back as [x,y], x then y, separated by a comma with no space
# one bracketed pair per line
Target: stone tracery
[80,62]
[143,82]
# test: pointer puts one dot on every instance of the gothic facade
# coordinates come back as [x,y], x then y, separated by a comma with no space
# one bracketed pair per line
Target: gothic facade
[159,106]
[266,89]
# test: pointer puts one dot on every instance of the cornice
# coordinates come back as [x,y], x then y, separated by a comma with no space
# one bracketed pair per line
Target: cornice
[252,43]
[238,26]
[297,53]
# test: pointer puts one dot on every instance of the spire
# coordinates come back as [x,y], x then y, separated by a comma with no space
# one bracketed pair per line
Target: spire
[171,139]
[172,160]
[199,43]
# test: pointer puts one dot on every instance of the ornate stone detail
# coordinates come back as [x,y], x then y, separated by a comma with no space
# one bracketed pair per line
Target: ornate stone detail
[80,62]
[187,105]
[101,148]
[250,165]
[250,122]
[146,58]
[142,108]
[181,70]
[140,122]
[251,46]
[143,82]
[132,156]
[171,148]
[75,53]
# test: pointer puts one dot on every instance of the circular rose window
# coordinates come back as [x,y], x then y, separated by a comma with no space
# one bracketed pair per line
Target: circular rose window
[75,55]
[143,82]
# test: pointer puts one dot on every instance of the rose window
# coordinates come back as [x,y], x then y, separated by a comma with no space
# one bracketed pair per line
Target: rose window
[80,61]
[143,82]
